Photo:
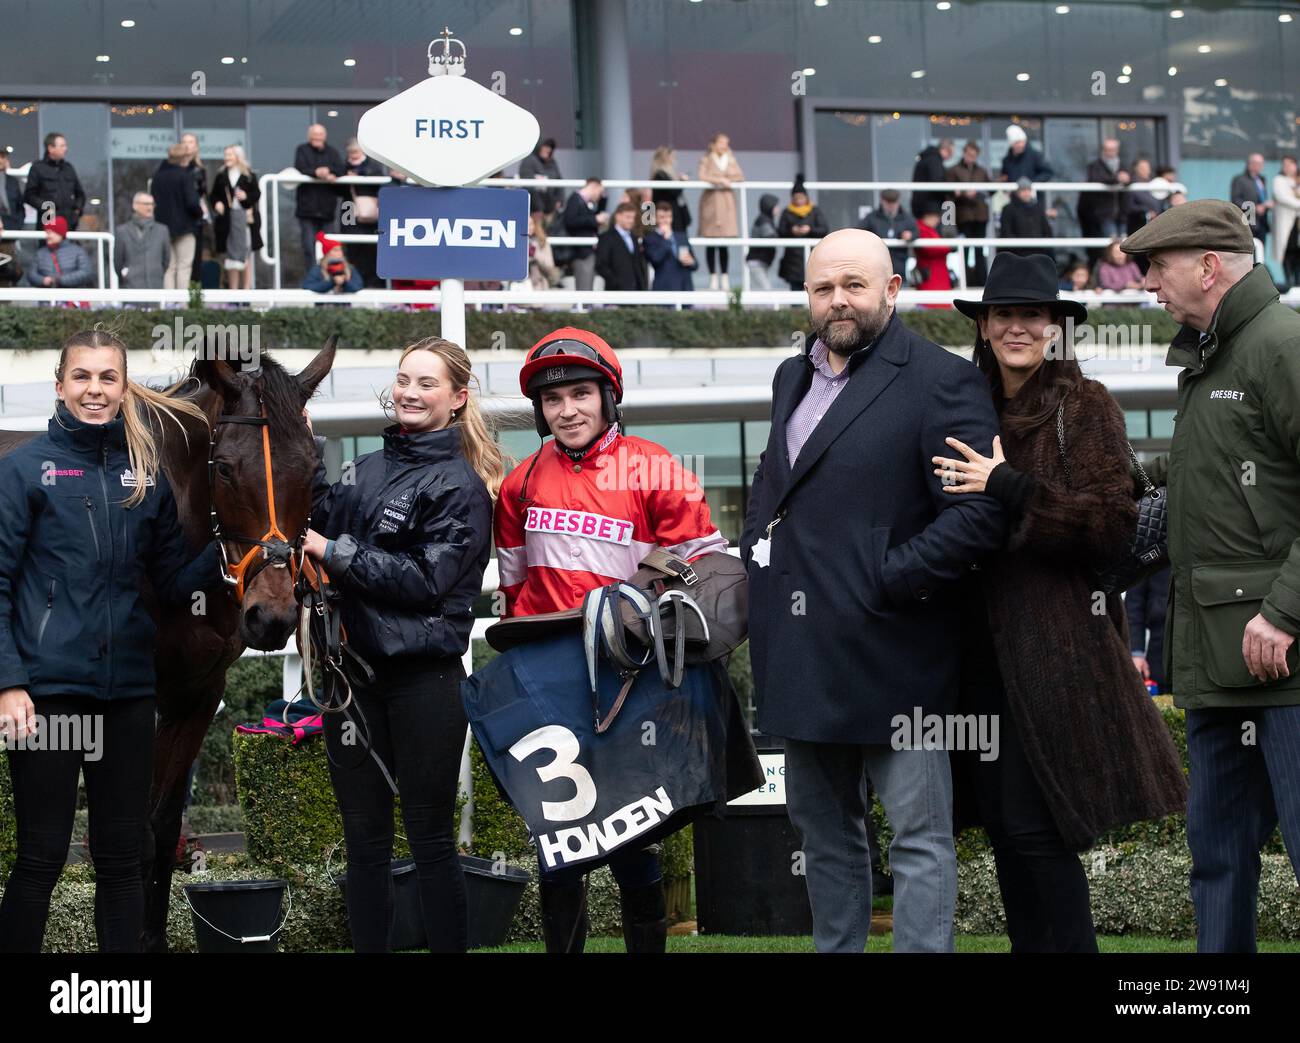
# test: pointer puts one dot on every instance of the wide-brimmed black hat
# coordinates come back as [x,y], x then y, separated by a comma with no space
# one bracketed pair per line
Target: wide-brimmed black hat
[1022,280]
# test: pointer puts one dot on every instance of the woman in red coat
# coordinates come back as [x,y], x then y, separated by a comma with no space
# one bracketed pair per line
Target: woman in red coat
[933,261]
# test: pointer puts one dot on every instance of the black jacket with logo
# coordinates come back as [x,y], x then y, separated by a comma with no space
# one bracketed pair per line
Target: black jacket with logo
[412,532]
[73,561]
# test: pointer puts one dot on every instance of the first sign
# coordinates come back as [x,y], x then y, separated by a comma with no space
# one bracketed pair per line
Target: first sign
[448,131]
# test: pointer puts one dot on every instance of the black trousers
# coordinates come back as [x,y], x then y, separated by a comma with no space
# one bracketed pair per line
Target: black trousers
[414,721]
[717,257]
[117,775]
[1044,888]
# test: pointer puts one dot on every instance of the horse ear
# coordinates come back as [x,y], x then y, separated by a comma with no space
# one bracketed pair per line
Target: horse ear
[317,368]
[218,375]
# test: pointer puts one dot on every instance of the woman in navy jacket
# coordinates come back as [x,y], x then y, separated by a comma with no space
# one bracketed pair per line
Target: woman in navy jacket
[406,538]
[86,515]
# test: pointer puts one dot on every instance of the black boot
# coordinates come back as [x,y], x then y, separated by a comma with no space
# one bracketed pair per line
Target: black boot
[564,915]
[645,918]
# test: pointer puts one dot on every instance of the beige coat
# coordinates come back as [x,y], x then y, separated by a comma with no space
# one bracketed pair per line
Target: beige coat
[1286,210]
[718,205]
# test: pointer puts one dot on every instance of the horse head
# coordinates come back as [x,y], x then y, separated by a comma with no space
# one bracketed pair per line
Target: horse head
[261,465]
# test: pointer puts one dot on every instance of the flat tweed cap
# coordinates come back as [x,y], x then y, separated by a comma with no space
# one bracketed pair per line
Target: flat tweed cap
[1203,224]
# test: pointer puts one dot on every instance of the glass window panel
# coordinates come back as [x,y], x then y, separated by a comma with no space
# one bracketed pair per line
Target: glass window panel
[1136,424]
[843,154]
[1162,423]
[140,134]
[274,131]
[216,126]
[20,136]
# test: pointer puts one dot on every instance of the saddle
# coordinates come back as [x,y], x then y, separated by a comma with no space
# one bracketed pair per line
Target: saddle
[671,612]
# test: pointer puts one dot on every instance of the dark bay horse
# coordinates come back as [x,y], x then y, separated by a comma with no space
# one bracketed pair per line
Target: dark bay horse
[249,469]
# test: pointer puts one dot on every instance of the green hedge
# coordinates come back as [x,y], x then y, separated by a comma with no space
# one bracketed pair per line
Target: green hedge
[291,818]
[1135,889]
[8,825]
[31,328]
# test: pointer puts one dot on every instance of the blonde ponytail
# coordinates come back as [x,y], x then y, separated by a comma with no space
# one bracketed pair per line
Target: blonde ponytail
[143,411]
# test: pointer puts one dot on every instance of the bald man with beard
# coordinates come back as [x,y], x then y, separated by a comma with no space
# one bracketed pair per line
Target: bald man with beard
[852,546]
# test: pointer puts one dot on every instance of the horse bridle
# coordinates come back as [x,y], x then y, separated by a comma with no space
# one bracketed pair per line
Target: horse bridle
[274,544]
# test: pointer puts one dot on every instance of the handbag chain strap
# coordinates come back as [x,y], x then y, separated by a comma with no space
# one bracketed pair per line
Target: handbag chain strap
[1065,460]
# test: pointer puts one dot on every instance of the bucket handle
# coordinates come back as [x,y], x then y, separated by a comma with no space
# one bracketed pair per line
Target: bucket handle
[288,891]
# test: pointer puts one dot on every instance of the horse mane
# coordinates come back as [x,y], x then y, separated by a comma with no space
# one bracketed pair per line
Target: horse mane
[281,396]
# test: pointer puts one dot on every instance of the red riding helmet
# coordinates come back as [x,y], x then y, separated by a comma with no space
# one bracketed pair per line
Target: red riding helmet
[566,356]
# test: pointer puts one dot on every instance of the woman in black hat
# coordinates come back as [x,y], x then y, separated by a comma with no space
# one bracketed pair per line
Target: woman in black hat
[1080,748]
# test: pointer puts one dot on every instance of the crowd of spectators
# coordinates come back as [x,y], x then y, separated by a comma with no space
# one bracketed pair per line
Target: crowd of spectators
[183,230]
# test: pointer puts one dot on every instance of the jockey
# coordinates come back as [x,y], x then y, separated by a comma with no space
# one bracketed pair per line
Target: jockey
[578,514]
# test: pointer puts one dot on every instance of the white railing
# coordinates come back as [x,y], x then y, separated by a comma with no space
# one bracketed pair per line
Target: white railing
[103,247]
[270,184]
[564,300]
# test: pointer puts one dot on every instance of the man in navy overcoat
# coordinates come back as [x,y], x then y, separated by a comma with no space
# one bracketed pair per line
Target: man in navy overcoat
[852,548]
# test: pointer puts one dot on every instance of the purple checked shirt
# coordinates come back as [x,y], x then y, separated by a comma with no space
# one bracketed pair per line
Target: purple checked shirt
[826,384]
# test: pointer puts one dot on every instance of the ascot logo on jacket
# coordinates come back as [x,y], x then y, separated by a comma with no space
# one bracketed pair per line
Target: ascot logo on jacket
[130,480]
[396,512]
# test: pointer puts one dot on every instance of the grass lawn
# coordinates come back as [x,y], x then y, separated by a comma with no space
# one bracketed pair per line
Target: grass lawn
[880,943]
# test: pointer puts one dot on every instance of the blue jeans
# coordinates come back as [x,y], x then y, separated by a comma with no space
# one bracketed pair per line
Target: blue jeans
[1240,791]
[826,790]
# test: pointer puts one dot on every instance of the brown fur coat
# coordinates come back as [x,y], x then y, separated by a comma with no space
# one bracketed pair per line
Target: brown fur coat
[1098,747]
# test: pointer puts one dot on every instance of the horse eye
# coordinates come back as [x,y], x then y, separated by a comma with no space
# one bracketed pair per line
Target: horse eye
[225,471]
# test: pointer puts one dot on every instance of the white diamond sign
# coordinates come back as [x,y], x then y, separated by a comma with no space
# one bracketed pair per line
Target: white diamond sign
[448,131]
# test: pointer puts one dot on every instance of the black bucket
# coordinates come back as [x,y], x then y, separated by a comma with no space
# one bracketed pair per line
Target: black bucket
[407,930]
[237,915]
[492,893]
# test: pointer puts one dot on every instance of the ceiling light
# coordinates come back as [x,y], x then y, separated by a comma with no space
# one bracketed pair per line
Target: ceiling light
[1203,49]
[101,58]
[1062,8]
[1127,70]
[516,31]
[918,74]
[1022,76]
[332,113]
[1122,79]
[810,72]
[227,60]
[1221,82]
[349,62]
[128,23]
[1173,70]
[874,39]
[1176,13]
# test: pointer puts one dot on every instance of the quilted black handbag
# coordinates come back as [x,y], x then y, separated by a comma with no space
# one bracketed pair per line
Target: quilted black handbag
[1148,549]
